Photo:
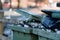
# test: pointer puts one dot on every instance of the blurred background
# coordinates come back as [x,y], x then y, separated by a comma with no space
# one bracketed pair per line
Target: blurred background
[40,4]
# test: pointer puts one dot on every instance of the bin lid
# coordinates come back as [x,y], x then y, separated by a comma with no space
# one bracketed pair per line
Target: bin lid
[30,12]
[50,11]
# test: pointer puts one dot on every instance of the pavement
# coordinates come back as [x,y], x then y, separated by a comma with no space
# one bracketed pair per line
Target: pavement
[4,38]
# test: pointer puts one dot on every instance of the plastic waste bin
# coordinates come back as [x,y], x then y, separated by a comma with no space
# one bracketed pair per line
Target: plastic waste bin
[44,35]
[22,33]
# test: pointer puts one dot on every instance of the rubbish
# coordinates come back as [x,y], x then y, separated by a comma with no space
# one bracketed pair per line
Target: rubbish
[26,26]
[48,30]
[58,32]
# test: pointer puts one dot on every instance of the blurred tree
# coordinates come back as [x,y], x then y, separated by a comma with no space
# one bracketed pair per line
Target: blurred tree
[0,5]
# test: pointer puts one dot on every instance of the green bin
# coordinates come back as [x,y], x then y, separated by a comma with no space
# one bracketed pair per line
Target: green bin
[56,15]
[44,35]
[22,33]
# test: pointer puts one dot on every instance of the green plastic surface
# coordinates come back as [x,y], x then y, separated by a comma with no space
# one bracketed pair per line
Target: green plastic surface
[24,36]
[21,29]
[23,33]
[28,14]
[47,35]
[56,15]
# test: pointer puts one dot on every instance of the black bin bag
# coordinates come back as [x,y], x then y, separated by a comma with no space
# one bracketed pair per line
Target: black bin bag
[50,23]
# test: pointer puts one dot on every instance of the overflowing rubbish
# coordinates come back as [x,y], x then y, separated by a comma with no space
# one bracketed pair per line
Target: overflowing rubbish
[49,23]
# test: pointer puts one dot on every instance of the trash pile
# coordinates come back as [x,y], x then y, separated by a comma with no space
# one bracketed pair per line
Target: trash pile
[46,23]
